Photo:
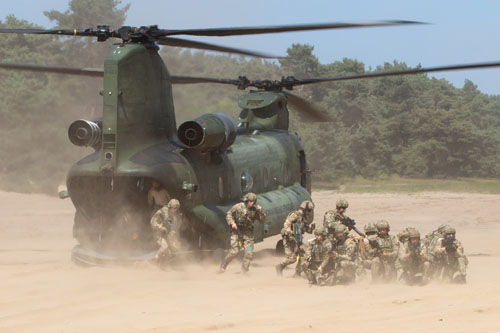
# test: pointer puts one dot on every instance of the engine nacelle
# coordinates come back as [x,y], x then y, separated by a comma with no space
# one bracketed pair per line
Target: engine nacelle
[85,133]
[209,132]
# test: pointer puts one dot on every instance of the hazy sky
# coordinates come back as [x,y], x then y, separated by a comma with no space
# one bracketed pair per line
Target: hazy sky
[460,31]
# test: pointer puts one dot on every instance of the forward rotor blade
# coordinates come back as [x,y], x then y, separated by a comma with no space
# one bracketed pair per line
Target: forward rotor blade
[93,72]
[63,32]
[307,111]
[234,31]
[170,41]
[396,73]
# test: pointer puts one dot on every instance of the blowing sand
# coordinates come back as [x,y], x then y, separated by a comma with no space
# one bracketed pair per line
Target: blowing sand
[42,291]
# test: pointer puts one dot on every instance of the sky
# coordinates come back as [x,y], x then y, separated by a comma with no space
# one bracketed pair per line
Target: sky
[458,32]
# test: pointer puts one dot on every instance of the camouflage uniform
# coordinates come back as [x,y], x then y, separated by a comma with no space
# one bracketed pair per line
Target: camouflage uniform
[165,230]
[402,238]
[368,253]
[334,217]
[244,217]
[413,259]
[383,265]
[296,224]
[344,255]
[317,264]
[452,260]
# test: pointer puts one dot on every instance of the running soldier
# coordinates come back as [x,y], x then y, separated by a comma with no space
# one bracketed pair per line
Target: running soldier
[344,255]
[296,224]
[387,248]
[413,259]
[166,224]
[240,219]
[449,254]
[317,264]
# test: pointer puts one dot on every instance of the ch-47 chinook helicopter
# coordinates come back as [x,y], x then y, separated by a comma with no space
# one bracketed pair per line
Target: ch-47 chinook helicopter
[206,163]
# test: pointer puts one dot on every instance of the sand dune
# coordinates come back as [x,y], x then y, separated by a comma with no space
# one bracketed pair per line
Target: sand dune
[42,291]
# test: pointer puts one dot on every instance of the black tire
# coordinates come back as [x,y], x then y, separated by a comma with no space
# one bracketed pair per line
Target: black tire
[280,249]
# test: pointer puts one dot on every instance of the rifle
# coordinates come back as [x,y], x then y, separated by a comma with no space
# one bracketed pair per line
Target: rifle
[450,246]
[415,253]
[351,225]
[237,221]
[298,231]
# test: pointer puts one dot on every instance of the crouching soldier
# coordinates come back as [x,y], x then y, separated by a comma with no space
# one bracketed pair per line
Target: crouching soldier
[165,224]
[344,255]
[296,224]
[449,254]
[317,265]
[366,251]
[413,259]
[240,219]
[387,248]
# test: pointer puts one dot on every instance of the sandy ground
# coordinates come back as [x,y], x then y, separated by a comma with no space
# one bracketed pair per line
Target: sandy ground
[42,291]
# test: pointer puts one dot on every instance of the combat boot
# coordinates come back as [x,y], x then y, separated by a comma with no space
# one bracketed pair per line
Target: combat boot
[279,269]
[222,267]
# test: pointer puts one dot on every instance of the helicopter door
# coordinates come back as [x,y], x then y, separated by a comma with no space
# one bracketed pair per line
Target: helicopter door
[305,175]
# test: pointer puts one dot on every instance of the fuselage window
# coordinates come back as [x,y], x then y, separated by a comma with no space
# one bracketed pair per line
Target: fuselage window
[246,182]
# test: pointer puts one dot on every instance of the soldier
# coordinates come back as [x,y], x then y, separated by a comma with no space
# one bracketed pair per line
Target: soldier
[449,254]
[334,217]
[295,225]
[165,224]
[387,248]
[157,197]
[317,264]
[240,219]
[367,253]
[344,255]
[413,258]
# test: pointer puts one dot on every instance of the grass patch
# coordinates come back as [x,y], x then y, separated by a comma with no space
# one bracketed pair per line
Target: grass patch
[407,185]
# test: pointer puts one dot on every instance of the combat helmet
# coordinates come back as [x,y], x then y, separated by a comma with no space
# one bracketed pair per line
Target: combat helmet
[382,224]
[342,203]
[307,205]
[250,196]
[174,203]
[448,230]
[412,233]
[370,228]
[319,231]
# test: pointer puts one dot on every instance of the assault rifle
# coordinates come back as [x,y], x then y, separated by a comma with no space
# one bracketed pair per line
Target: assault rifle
[351,225]
[450,246]
[415,253]
[298,232]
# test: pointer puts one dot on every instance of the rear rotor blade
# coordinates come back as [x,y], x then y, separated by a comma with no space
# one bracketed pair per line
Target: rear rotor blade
[54,69]
[234,31]
[307,111]
[170,41]
[181,79]
[396,73]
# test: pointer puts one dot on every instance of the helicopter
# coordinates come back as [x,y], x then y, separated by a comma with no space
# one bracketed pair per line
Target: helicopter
[207,163]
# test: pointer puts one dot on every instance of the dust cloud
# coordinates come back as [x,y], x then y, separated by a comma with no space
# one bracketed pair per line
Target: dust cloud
[42,291]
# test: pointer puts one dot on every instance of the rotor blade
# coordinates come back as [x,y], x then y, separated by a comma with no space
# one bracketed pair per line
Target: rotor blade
[170,41]
[63,32]
[307,111]
[181,79]
[93,72]
[396,73]
[283,28]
